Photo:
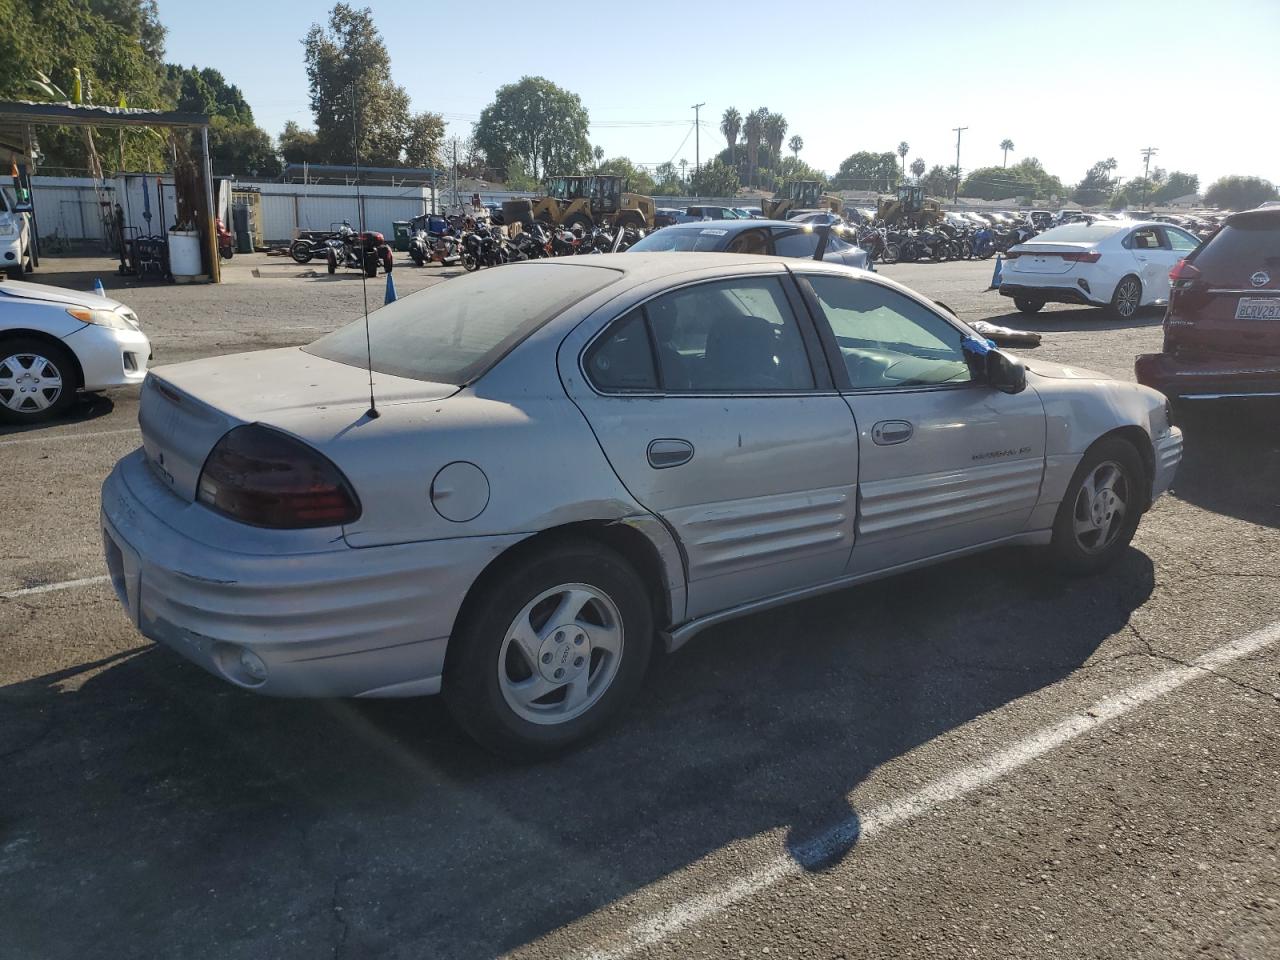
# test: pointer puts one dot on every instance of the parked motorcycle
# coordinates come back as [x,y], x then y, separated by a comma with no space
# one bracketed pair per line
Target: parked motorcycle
[359,251]
[315,243]
[434,239]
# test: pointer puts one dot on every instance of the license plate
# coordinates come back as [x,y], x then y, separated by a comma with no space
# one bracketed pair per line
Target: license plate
[1258,309]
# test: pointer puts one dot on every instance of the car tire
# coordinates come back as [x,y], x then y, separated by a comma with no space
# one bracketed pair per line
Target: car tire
[1027,305]
[18,271]
[492,687]
[20,356]
[580,220]
[1127,299]
[1087,534]
[370,264]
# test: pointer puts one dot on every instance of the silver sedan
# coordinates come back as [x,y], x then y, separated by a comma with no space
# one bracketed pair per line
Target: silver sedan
[569,462]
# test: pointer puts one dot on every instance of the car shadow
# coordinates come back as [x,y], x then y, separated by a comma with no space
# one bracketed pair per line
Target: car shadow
[144,788]
[1231,458]
[1074,319]
[86,408]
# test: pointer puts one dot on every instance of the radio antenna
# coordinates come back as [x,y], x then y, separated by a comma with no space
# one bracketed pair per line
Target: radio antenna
[372,412]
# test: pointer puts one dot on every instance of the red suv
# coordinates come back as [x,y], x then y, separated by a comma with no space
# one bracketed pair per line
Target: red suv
[1222,328]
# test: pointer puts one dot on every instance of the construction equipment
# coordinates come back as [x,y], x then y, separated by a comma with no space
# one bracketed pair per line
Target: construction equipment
[590,201]
[798,195]
[909,208]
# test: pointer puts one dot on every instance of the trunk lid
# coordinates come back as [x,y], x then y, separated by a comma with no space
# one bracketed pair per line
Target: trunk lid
[186,408]
[1233,306]
[1046,257]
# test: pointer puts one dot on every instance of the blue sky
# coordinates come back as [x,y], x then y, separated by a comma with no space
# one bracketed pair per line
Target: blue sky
[1068,82]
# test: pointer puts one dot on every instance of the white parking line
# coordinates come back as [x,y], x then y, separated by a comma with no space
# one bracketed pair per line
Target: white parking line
[962,782]
[45,438]
[50,587]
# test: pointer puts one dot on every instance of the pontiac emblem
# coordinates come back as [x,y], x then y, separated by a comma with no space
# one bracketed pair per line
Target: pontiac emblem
[1260,279]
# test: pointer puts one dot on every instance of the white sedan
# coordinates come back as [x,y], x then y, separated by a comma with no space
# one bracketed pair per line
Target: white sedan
[55,342]
[15,237]
[1121,265]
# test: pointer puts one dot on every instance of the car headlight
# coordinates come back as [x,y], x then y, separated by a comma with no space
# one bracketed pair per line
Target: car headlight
[123,319]
[8,228]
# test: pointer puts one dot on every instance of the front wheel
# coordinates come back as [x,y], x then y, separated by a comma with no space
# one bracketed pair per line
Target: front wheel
[1127,298]
[37,381]
[1100,512]
[890,253]
[417,256]
[387,261]
[470,262]
[331,259]
[1027,305]
[549,650]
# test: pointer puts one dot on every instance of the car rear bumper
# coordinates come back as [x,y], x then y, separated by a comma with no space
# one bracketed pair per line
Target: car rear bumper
[1209,378]
[343,622]
[1066,292]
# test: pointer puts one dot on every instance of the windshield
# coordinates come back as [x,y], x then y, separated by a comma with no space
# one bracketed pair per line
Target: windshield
[705,240]
[1079,233]
[453,332]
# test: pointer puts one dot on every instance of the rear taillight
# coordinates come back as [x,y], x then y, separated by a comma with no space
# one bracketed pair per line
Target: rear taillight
[1087,256]
[1012,256]
[1184,274]
[267,478]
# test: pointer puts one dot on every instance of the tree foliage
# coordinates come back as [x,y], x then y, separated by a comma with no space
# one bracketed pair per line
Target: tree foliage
[865,170]
[536,127]
[731,126]
[716,179]
[241,148]
[937,182]
[1026,178]
[349,55]
[298,145]
[917,167]
[1177,184]
[1239,193]
[1096,185]
[668,182]
[637,178]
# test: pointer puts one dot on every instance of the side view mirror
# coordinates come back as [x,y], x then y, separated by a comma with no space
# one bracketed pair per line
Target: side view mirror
[1005,373]
[24,207]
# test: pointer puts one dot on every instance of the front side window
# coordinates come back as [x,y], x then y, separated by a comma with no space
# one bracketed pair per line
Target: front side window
[1181,241]
[888,340]
[795,243]
[729,336]
[749,241]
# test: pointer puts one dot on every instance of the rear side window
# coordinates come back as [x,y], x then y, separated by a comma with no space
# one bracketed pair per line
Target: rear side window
[1249,241]
[795,243]
[698,239]
[453,332]
[622,361]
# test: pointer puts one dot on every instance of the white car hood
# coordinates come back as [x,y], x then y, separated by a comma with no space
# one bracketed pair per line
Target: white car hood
[42,291]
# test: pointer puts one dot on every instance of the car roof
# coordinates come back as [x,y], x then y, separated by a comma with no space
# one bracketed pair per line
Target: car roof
[736,225]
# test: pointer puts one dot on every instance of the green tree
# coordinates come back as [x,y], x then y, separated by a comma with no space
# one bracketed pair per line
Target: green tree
[1025,179]
[793,168]
[775,131]
[638,179]
[424,140]
[903,149]
[1177,184]
[753,130]
[668,181]
[206,91]
[298,145]
[241,148]
[917,167]
[537,127]
[716,179]
[349,55]
[795,145]
[868,171]
[937,182]
[1096,185]
[1239,193]
[731,126]
[1006,145]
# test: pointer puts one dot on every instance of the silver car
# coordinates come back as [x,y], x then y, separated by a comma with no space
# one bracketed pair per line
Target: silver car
[575,460]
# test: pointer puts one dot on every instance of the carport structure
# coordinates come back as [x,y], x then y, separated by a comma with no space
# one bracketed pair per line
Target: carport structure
[19,119]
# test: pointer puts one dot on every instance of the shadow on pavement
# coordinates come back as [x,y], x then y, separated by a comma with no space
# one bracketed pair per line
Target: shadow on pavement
[1231,458]
[158,809]
[87,407]
[1074,319]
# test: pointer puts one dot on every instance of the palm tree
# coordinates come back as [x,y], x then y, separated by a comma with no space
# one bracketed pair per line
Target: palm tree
[796,144]
[903,147]
[918,167]
[1006,145]
[775,129]
[598,152]
[753,130]
[730,125]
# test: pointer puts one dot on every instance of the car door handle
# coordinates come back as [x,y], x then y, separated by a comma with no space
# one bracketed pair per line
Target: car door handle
[888,432]
[669,453]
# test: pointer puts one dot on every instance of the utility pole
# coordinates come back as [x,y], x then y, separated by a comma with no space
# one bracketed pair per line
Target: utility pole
[456,199]
[956,192]
[1147,153]
[697,156]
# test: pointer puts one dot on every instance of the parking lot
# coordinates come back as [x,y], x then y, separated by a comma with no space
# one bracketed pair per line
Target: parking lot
[980,759]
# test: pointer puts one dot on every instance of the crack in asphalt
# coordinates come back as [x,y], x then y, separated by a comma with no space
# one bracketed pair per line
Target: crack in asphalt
[1154,654]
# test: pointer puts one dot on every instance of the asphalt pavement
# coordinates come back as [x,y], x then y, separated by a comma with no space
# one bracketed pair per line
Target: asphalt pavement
[981,759]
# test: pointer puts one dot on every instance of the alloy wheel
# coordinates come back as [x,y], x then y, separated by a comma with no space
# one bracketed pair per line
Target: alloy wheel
[1100,507]
[1127,296]
[29,383]
[560,653]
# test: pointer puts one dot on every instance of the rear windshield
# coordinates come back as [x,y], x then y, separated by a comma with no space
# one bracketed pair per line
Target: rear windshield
[1248,241]
[1078,233]
[454,331]
[702,239]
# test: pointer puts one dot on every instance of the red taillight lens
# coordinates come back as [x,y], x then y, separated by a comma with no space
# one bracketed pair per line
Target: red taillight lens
[1185,272]
[1012,256]
[267,478]
[1088,256]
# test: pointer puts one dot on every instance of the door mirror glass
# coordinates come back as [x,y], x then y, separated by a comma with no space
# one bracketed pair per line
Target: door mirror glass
[1005,373]
[22,207]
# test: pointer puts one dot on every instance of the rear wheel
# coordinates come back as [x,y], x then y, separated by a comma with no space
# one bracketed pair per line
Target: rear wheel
[370,264]
[1027,305]
[1127,298]
[470,262]
[387,261]
[890,253]
[550,650]
[37,380]
[300,250]
[332,260]
[580,220]
[416,254]
[1100,512]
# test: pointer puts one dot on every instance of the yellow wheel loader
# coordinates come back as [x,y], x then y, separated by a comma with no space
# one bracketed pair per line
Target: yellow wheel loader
[800,195]
[590,201]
